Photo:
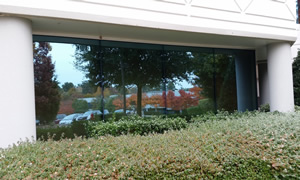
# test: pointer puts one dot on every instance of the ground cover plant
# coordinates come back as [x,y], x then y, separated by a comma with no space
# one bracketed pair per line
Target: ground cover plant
[248,146]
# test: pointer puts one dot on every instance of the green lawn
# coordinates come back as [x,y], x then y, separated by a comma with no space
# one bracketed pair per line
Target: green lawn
[248,146]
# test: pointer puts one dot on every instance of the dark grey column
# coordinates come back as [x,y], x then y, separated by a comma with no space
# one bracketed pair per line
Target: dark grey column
[246,80]
[264,90]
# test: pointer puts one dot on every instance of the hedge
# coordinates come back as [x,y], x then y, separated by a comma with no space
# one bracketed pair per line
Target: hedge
[77,128]
[135,125]
[249,146]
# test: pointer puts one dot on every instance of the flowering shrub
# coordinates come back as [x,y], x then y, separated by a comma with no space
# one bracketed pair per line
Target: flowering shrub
[248,146]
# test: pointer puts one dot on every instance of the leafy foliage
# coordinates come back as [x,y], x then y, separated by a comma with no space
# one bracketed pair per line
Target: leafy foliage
[47,96]
[77,128]
[296,79]
[204,106]
[142,67]
[65,107]
[217,78]
[250,168]
[135,125]
[237,146]
[87,87]
[80,106]
[109,105]
[67,86]
[54,133]
[264,108]
[110,117]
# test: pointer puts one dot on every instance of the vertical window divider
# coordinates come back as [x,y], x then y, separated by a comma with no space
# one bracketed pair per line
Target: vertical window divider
[123,53]
[214,81]
[297,12]
[164,79]
[101,80]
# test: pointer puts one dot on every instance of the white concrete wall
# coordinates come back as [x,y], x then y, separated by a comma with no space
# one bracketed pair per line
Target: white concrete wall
[17,107]
[271,19]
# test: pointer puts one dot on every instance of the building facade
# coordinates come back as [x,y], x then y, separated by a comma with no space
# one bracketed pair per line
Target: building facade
[257,33]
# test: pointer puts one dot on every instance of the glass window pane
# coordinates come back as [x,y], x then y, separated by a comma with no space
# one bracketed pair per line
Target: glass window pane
[225,82]
[189,76]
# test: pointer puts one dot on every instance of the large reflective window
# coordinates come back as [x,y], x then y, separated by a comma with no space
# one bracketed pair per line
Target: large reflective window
[115,79]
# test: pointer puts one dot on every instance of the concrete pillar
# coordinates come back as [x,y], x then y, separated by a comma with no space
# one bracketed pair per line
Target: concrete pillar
[280,77]
[246,80]
[17,107]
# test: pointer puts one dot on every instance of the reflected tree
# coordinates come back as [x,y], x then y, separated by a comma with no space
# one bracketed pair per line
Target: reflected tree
[217,79]
[87,87]
[80,106]
[296,79]
[67,86]
[122,67]
[47,96]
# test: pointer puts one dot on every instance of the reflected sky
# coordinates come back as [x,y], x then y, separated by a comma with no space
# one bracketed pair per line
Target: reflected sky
[63,57]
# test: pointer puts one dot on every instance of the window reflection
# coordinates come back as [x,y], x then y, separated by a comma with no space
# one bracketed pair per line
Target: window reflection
[139,79]
[225,82]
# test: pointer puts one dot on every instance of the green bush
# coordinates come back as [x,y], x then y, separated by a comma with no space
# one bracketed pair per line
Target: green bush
[80,106]
[185,116]
[297,108]
[251,168]
[264,108]
[226,146]
[110,117]
[77,128]
[55,133]
[135,125]
[153,113]
[222,115]
[204,106]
